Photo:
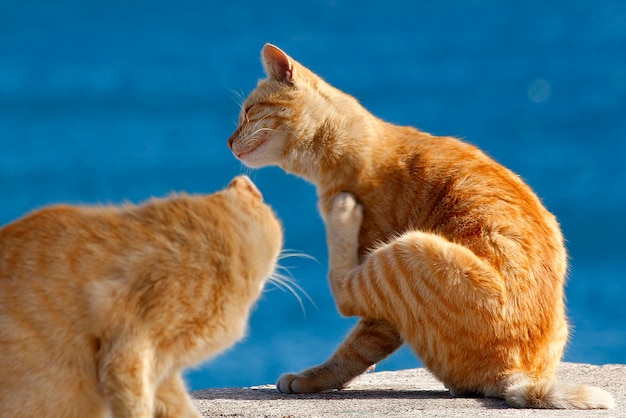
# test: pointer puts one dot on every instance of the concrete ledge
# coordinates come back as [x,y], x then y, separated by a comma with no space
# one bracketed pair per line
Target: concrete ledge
[406,393]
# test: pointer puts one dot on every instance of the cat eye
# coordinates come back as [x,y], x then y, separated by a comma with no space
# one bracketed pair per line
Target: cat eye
[246,109]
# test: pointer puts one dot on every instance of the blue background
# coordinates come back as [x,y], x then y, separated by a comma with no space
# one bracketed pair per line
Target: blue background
[123,100]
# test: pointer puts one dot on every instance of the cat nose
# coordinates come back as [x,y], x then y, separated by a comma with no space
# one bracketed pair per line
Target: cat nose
[232,139]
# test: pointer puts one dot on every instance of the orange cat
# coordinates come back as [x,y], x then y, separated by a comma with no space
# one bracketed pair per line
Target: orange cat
[455,254]
[102,307]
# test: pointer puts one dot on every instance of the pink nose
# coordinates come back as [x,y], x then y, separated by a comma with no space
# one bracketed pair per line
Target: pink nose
[232,139]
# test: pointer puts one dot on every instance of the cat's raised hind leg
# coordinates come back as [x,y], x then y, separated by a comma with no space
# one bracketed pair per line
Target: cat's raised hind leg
[369,342]
[445,301]
[404,271]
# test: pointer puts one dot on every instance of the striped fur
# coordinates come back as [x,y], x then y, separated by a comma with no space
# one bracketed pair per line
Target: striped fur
[446,249]
[102,307]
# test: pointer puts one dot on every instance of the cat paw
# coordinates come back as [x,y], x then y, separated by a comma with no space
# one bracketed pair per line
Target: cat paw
[346,212]
[301,383]
[295,383]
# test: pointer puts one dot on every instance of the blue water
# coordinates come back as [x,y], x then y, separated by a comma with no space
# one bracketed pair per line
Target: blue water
[123,100]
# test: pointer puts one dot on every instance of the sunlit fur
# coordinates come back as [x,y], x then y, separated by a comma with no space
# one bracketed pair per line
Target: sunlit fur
[102,307]
[454,253]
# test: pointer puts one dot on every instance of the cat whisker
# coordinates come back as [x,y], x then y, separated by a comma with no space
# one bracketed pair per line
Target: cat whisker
[249,172]
[261,130]
[284,281]
[255,129]
[292,253]
[256,123]
[239,97]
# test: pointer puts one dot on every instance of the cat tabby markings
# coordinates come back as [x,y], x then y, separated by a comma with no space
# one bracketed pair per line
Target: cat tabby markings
[101,308]
[435,244]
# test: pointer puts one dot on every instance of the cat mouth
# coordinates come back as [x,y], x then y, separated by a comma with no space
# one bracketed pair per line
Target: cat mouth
[241,154]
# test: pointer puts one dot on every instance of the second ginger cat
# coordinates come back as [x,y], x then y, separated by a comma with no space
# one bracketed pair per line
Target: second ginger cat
[101,308]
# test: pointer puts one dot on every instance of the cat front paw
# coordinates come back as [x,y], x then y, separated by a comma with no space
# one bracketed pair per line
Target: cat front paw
[284,383]
[345,213]
[296,383]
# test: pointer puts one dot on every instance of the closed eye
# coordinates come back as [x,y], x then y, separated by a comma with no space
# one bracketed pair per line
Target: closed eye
[247,109]
[243,118]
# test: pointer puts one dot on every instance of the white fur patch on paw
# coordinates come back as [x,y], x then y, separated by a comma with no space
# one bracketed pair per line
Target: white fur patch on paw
[346,211]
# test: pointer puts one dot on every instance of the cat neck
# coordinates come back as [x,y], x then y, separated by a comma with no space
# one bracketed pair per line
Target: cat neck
[336,139]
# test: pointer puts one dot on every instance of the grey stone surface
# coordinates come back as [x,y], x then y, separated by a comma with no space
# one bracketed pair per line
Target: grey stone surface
[405,393]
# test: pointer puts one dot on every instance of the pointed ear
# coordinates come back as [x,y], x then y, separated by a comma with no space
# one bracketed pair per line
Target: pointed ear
[277,64]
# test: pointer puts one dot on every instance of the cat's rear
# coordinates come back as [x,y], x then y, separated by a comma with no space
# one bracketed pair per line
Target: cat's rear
[102,307]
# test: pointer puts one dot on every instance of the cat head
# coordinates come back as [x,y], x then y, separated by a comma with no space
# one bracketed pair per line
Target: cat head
[259,230]
[282,118]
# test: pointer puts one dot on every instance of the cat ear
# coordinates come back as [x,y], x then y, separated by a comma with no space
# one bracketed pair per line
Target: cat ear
[277,64]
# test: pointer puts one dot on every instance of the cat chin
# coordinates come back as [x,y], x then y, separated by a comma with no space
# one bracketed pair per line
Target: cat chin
[252,162]
[257,157]
[250,159]
[242,151]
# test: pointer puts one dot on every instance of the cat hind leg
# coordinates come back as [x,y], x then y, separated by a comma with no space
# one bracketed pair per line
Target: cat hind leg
[369,342]
[399,280]
[446,302]
[400,288]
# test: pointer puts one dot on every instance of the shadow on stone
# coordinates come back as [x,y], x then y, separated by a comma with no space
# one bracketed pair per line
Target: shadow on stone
[403,393]
[273,394]
[254,394]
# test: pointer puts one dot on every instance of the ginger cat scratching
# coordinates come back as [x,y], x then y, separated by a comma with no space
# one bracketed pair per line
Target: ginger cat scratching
[430,242]
[102,307]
